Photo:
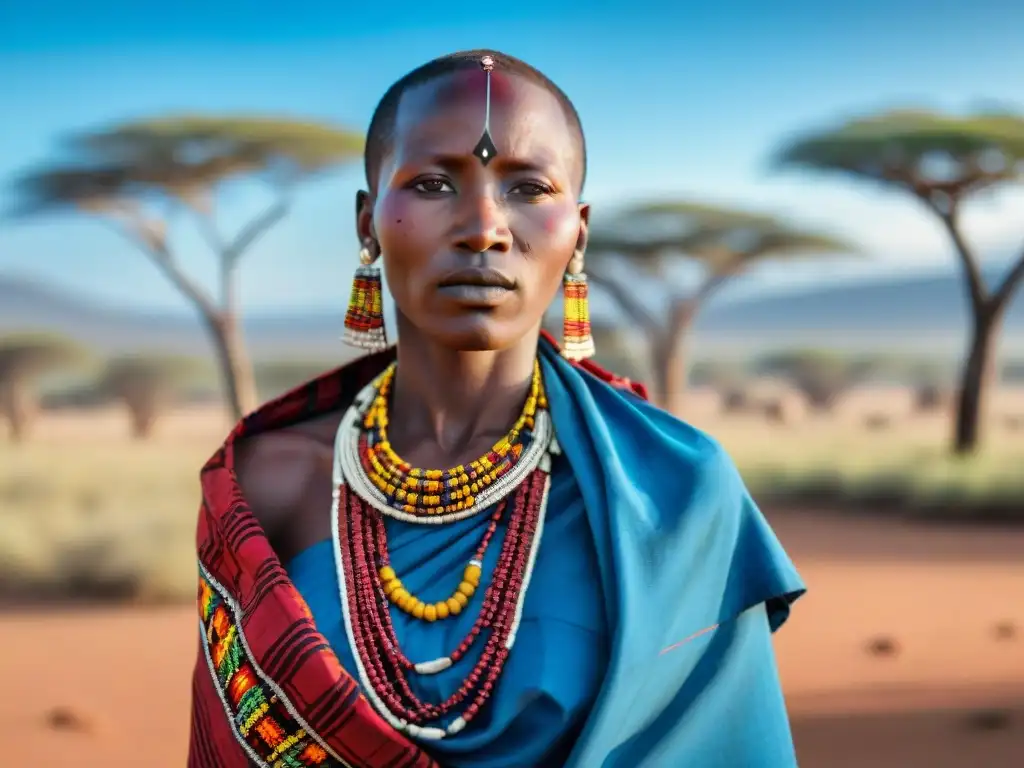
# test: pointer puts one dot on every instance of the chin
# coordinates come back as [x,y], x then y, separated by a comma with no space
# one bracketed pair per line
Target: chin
[477,334]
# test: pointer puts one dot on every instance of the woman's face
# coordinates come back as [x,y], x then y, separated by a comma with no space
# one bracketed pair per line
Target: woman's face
[475,253]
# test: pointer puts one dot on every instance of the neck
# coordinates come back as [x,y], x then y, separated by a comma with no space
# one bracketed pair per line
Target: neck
[453,400]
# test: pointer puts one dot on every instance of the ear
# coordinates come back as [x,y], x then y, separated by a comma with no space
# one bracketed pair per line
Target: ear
[584,233]
[364,222]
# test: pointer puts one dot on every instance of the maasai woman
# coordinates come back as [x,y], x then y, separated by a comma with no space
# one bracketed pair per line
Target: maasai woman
[587,584]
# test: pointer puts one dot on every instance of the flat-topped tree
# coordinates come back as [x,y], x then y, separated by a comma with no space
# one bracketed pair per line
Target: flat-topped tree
[133,175]
[940,160]
[821,375]
[147,385]
[24,358]
[723,242]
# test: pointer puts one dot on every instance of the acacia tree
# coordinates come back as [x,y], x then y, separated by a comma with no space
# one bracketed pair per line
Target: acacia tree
[23,359]
[821,375]
[940,160]
[146,385]
[722,242]
[135,175]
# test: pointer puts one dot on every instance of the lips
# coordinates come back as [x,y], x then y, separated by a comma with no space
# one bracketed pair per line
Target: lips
[479,277]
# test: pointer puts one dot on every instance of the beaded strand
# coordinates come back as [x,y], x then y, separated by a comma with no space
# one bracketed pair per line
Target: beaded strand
[399,596]
[368,584]
[384,670]
[452,493]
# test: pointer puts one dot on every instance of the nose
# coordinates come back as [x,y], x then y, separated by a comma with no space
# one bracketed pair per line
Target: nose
[484,228]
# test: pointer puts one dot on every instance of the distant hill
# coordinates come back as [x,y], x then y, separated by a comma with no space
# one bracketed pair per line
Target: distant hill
[920,313]
[923,312]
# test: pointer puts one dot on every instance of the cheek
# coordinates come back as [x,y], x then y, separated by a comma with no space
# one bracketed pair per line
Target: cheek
[552,239]
[391,219]
[560,230]
[402,228]
[405,241]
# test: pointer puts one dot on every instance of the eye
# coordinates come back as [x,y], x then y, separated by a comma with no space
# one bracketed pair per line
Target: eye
[433,186]
[531,189]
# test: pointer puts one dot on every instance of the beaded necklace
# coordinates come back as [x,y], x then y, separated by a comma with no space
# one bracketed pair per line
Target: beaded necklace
[401,491]
[519,467]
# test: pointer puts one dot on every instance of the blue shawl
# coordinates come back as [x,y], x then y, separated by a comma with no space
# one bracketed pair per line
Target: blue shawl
[695,583]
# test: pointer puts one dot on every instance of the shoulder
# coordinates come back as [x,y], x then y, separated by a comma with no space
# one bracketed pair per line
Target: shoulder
[751,559]
[276,468]
[707,481]
[711,522]
[669,494]
[611,378]
[712,467]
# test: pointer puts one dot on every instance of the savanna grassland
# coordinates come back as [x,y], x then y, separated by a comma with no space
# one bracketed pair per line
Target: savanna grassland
[905,652]
[87,512]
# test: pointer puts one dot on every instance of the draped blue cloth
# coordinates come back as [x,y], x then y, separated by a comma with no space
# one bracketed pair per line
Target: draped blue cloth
[646,640]
[554,672]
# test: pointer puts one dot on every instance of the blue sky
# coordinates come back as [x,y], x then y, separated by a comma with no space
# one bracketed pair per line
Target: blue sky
[684,102]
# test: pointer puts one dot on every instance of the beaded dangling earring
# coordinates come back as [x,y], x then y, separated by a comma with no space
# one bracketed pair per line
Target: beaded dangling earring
[364,320]
[577,342]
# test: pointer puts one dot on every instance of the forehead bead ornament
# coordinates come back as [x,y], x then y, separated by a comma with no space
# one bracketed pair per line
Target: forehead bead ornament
[485,149]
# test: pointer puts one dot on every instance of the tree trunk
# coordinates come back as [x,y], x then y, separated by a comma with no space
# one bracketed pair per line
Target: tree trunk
[235,367]
[977,373]
[19,407]
[670,368]
[670,357]
[987,311]
[142,414]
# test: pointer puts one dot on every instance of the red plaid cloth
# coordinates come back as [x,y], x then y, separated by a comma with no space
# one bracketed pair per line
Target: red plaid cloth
[267,687]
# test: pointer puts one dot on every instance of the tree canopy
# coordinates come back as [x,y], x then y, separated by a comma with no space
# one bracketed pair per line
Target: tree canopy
[154,374]
[31,353]
[927,153]
[722,239]
[146,384]
[181,157]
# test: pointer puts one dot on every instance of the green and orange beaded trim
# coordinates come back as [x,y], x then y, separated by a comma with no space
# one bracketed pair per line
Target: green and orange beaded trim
[263,722]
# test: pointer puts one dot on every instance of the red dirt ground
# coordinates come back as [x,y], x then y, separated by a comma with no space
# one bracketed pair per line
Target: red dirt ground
[947,600]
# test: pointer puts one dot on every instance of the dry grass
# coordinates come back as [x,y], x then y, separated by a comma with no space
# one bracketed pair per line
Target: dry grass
[87,513]
[873,457]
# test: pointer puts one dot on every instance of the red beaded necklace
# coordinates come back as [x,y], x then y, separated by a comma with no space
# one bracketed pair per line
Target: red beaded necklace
[361,547]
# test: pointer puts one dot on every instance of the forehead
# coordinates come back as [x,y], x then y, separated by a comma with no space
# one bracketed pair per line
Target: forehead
[446,114]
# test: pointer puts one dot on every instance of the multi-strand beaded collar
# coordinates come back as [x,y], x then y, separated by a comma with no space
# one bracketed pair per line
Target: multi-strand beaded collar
[371,481]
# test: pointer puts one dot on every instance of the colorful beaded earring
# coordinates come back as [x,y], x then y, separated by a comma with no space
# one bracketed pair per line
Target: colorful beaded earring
[364,320]
[577,341]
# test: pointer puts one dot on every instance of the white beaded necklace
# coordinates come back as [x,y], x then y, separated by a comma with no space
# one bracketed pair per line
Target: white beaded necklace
[347,452]
[351,474]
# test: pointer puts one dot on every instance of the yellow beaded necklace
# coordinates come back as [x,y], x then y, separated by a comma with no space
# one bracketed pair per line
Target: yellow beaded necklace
[432,492]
